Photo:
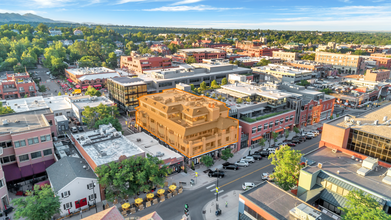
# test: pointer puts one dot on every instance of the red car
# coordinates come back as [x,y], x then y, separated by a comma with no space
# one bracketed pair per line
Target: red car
[290,144]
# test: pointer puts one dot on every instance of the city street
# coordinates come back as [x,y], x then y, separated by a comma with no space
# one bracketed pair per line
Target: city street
[196,199]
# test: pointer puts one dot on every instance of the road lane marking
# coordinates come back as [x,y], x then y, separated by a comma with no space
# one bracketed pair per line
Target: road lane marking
[220,191]
[260,168]
[210,186]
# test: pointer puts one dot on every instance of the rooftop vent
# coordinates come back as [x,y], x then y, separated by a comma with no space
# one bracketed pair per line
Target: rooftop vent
[5,122]
[376,122]
[159,154]
[385,118]
[138,139]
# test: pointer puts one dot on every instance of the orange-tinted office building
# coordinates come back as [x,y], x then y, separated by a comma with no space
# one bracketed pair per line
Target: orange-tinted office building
[193,125]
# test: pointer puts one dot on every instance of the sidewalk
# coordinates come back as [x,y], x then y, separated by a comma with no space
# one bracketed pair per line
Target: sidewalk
[227,213]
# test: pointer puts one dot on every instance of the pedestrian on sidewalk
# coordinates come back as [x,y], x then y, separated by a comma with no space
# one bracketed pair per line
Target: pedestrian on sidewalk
[226,204]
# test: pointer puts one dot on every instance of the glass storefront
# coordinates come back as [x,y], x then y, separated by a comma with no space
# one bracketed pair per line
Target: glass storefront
[370,145]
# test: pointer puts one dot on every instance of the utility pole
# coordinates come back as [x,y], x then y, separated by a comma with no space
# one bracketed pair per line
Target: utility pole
[217,194]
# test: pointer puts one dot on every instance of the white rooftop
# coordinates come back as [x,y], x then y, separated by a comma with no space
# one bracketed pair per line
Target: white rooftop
[251,90]
[100,76]
[152,146]
[27,104]
[106,145]
[283,69]
[56,103]
[89,70]
[82,101]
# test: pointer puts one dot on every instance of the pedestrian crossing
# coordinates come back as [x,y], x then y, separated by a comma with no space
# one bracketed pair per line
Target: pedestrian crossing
[210,186]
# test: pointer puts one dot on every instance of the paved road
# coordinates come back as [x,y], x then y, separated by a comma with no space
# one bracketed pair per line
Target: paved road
[173,208]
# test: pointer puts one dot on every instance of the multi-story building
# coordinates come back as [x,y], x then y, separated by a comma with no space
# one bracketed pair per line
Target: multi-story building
[190,124]
[245,45]
[160,48]
[209,44]
[309,65]
[346,63]
[4,197]
[178,42]
[196,73]
[364,135]
[332,173]
[95,77]
[286,55]
[141,64]
[259,51]
[125,91]
[293,46]
[202,53]
[384,60]
[252,61]
[17,85]
[55,32]
[280,73]
[26,139]
[78,103]
[268,201]
[377,75]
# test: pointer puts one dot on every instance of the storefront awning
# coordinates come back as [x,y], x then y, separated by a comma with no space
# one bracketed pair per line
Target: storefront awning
[39,167]
[279,130]
[26,171]
[69,80]
[84,87]
[49,162]
[12,172]
[246,112]
[256,138]
[98,85]
[77,86]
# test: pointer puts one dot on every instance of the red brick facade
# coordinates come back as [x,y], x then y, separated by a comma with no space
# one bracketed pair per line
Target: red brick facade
[311,112]
[258,52]
[140,64]
[17,86]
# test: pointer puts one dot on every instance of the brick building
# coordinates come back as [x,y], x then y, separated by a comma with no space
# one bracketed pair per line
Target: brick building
[160,48]
[259,51]
[95,77]
[383,60]
[346,63]
[377,75]
[178,42]
[17,85]
[209,44]
[191,124]
[245,45]
[202,53]
[309,65]
[141,64]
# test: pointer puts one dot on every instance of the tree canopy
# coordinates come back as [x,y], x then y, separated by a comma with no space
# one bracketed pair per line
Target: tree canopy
[263,62]
[40,204]
[207,160]
[93,92]
[226,154]
[93,114]
[287,167]
[132,175]
[5,110]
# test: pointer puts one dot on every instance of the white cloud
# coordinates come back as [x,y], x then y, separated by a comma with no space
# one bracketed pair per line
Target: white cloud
[51,3]
[19,11]
[190,8]
[127,1]
[184,2]
[346,1]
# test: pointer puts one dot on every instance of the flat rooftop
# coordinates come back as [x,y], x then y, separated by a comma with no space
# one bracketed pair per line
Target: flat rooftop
[106,145]
[282,69]
[275,201]
[128,81]
[24,121]
[200,50]
[100,76]
[57,103]
[152,146]
[367,121]
[89,101]
[89,70]
[249,90]
[347,167]
[27,104]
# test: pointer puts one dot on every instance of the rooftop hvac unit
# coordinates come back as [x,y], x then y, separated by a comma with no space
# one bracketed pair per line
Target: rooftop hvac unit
[385,118]
[376,122]
[5,122]
[138,139]
[320,165]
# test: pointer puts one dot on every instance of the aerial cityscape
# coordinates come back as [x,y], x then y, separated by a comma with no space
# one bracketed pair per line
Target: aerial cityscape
[195,110]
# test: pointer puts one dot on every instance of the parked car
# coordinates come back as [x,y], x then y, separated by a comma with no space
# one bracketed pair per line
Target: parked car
[309,136]
[266,176]
[312,135]
[287,141]
[80,128]
[256,156]
[230,166]
[296,141]
[74,130]
[77,122]
[301,138]
[216,173]
[248,159]
[262,152]
[290,144]
[247,185]
[47,73]
[242,163]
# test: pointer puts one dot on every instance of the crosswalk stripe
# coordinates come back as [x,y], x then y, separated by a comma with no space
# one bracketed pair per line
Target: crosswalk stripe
[210,186]
[220,191]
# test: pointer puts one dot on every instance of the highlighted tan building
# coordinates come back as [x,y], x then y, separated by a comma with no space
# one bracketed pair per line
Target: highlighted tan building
[193,125]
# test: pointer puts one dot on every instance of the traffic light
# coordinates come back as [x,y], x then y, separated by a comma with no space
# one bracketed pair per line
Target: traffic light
[186,212]
[186,206]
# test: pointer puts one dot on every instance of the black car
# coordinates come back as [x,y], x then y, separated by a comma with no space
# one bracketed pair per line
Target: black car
[80,128]
[301,138]
[217,173]
[230,166]
[295,141]
[256,156]
[264,153]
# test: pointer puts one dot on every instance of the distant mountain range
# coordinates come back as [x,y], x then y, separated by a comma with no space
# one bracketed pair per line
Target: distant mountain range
[11,17]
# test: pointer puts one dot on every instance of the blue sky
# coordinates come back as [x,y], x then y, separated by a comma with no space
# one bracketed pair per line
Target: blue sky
[323,15]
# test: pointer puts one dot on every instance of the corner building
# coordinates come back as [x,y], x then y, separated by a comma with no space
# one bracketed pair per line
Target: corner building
[191,124]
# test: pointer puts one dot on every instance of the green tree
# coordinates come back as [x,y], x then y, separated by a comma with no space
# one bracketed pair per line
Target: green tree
[19,69]
[90,61]
[239,100]
[59,94]
[105,121]
[262,142]
[296,130]
[42,88]
[226,154]
[40,204]
[303,83]
[93,92]
[224,81]
[94,114]
[5,110]
[213,95]
[362,207]
[308,56]
[207,160]
[248,99]
[274,136]
[286,133]
[190,60]
[219,97]
[287,167]
[326,91]
[192,87]
[214,84]
[42,28]
[89,116]
[203,85]
[111,61]
[132,175]
[263,62]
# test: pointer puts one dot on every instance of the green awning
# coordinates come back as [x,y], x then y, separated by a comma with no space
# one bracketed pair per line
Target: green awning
[333,198]
[311,194]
